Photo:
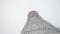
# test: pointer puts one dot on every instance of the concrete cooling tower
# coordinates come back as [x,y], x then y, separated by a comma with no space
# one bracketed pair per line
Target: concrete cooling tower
[37,25]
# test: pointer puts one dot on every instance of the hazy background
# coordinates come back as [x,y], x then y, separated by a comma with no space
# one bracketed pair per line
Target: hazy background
[13,13]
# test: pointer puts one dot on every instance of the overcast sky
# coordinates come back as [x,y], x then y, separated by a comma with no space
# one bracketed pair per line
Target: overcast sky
[13,13]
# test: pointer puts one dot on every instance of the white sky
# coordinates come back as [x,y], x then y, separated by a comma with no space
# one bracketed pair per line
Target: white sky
[13,13]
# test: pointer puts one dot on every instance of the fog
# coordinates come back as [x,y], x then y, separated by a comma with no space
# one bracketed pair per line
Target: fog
[13,13]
